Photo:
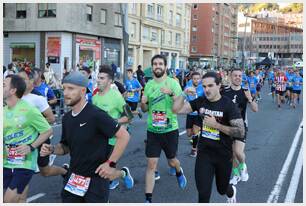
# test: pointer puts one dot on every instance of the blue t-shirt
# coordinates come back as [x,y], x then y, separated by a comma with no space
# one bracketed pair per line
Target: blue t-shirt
[244,80]
[200,93]
[45,91]
[271,76]
[129,85]
[296,80]
[289,79]
[89,91]
[252,81]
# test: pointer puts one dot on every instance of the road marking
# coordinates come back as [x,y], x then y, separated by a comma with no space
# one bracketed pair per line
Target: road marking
[35,197]
[183,132]
[274,195]
[290,196]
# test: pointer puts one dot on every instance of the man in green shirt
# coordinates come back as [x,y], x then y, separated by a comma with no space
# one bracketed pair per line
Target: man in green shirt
[24,129]
[162,131]
[112,102]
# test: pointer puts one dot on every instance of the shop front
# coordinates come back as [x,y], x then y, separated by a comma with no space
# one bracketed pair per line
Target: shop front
[112,52]
[89,50]
[23,52]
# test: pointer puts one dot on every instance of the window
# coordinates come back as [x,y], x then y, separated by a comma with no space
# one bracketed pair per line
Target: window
[194,38]
[170,17]
[103,16]
[146,33]
[194,28]
[46,10]
[154,35]
[194,49]
[89,13]
[170,38]
[178,19]
[133,30]
[163,36]
[118,19]
[150,10]
[195,17]
[195,6]
[21,11]
[159,12]
[178,39]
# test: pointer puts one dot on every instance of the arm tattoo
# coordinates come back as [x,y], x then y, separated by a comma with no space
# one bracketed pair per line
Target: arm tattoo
[237,128]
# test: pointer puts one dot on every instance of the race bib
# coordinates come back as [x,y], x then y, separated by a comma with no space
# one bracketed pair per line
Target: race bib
[14,158]
[130,94]
[159,119]
[210,133]
[77,184]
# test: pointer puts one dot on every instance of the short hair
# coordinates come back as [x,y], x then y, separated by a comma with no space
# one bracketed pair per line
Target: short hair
[139,66]
[236,69]
[129,70]
[30,73]
[17,83]
[213,75]
[107,69]
[195,73]
[159,56]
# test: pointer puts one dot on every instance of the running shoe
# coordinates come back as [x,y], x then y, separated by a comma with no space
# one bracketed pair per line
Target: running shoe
[172,171]
[128,179]
[156,175]
[113,184]
[244,174]
[235,179]
[182,181]
[193,153]
[233,198]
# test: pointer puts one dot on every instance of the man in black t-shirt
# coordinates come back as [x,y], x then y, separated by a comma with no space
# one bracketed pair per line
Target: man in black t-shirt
[221,120]
[85,133]
[241,97]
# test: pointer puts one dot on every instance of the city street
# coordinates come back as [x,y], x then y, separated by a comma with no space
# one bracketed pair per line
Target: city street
[271,142]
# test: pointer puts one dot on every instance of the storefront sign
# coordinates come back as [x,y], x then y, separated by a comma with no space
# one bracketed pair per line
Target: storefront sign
[54,47]
[90,44]
[23,45]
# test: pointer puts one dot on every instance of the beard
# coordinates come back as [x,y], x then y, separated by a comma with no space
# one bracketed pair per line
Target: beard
[73,101]
[159,74]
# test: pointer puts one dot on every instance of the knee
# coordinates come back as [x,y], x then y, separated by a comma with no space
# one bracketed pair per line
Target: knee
[152,164]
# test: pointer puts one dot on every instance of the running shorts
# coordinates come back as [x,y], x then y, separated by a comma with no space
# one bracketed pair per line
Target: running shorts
[16,178]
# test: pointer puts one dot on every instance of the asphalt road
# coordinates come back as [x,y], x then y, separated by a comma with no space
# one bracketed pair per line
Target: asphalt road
[271,133]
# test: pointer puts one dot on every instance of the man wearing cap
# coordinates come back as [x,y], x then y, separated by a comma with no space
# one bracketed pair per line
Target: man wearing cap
[85,133]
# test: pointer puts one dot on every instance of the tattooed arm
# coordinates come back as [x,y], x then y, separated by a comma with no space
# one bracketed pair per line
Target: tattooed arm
[235,130]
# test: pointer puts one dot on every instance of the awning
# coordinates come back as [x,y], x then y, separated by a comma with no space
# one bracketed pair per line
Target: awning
[23,45]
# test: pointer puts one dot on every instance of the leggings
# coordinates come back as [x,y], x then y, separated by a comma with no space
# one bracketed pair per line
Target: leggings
[209,164]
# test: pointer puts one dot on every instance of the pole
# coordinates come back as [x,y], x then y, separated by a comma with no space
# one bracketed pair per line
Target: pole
[125,36]
[243,45]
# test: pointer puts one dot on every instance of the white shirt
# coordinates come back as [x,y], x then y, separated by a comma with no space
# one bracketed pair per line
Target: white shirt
[37,101]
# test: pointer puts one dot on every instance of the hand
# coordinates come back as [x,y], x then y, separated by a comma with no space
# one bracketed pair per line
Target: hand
[210,121]
[166,90]
[248,95]
[144,99]
[23,149]
[190,91]
[105,171]
[46,149]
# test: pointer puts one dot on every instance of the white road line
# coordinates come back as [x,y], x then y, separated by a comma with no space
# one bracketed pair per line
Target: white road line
[274,195]
[290,196]
[183,132]
[35,197]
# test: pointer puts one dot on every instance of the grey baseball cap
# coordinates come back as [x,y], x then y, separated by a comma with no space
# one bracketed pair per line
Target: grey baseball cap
[76,78]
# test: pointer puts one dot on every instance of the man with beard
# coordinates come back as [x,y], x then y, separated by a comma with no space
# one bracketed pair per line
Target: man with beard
[162,131]
[241,97]
[221,121]
[111,101]
[193,121]
[86,130]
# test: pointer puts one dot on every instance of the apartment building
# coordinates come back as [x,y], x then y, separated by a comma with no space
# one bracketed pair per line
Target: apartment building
[157,28]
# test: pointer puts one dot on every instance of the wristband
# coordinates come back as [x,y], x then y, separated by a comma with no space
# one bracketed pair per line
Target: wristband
[111,163]
[31,147]
[171,94]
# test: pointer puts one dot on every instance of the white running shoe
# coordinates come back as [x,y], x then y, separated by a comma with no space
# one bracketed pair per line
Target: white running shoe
[233,198]
[235,179]
[244,174]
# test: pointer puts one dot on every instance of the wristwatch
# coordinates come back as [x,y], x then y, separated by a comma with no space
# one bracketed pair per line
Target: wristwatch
[171,94]
[31,147]
[111,163]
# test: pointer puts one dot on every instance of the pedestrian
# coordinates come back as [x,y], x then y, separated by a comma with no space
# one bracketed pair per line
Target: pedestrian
[162,124]
[24,130]
[240,97]
[221,121]
[140,76]
[86,130]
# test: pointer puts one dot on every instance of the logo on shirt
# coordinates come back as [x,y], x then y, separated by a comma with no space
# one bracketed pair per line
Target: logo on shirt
[235,100]
[81,125]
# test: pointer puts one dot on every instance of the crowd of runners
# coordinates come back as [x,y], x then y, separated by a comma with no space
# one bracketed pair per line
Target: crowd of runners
[95,132]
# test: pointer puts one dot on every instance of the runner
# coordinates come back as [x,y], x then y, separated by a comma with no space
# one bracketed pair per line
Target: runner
[162,131]
[221,121]
[111,101]
[297,82]
[133,88]
[85,133]
[193,121]
[22,124]
[252,82]
[280,82]
[271,80]
[241,97]
[259,77]
[289,94]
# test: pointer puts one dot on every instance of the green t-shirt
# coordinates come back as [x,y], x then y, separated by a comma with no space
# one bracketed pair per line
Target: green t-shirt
[112,103]
[161,119]
[21,125]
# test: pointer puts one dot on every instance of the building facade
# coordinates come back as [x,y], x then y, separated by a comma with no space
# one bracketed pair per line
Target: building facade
[62,34]
[213,33]
[156,28]
[260,38]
